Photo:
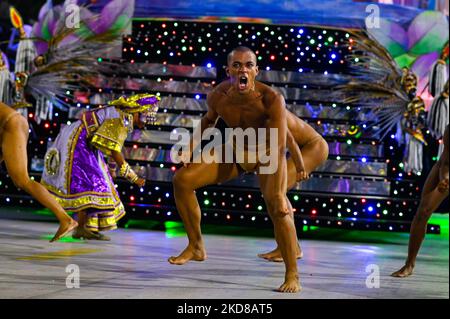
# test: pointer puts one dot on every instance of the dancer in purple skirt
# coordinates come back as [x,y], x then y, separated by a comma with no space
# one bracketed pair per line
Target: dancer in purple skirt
[75,169]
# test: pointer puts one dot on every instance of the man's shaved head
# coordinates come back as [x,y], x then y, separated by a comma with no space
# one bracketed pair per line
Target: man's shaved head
[239,49]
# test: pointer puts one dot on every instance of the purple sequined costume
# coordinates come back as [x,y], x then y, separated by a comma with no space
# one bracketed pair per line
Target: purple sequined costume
[76,172]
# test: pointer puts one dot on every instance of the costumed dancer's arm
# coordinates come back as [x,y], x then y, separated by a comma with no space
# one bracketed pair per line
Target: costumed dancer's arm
[125,170]
[297,157]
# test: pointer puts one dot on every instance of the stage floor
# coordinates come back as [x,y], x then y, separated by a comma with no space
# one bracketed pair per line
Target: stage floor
[134,265]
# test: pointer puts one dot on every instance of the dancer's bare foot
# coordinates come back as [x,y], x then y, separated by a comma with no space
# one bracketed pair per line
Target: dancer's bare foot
[190,253]
[100,236]
[64,228]
[405,271]
[84,233]
[291,284]
[275,255]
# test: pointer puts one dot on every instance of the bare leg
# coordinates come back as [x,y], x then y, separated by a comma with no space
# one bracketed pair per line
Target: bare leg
[286,237]
[275,255]
[314,155]
[14,150]
[185,182]
[430,201]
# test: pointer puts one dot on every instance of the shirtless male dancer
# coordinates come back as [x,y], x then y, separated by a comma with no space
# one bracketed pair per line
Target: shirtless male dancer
[13,150]
[435,190]
[242,103]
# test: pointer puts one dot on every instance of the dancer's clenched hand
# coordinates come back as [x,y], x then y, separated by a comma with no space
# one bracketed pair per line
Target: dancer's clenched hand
[302,175]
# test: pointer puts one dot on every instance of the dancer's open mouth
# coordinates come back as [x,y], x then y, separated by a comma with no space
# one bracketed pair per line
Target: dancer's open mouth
[243,81]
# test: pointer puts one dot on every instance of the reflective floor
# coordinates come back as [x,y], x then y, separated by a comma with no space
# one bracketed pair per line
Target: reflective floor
[133,265]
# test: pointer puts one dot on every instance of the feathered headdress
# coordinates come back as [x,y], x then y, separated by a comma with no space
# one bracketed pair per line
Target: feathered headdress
[68,52]
[379,84]
[138,103]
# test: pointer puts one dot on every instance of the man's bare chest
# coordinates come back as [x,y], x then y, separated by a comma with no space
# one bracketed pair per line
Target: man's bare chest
[244,115]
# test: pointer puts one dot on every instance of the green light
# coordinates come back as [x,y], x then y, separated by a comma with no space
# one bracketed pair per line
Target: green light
[339,215]
[67,239]
[183,49]
[172,224]
[174,229]
[99,59]
[312,41]
[330,39]
[206,202]
[347,35]
[401,165]
[141,223]
[259,58]
[385,212]
[260,207]
[272,33]
[338,158]
[266,28]
[356,59]
[326,43]
[203,49]
[175,24]
[296,197]
[44,212]
[435,158]
[443,221]
[349,142]
[305,228]
[239,27]
[258,33]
